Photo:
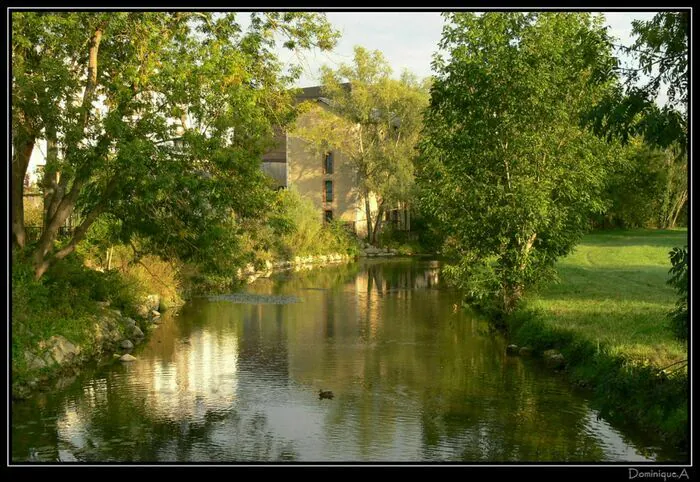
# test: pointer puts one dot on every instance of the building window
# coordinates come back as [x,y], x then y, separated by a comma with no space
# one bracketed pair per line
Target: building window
[328,215]
[328,163]
[329,191]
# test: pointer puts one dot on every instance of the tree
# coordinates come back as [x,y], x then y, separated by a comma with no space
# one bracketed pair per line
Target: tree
[679,280]
[158,119]
[630,111]
[646,187]
[661,52]
[507,174]
[379,126]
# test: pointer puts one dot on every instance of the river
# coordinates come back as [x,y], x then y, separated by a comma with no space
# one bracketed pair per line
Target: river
[232,379]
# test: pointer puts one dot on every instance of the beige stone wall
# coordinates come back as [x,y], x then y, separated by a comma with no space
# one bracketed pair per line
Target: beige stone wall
[306,172]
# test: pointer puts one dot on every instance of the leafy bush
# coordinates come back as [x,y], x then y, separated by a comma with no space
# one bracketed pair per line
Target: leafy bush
[679,280]
[303,233]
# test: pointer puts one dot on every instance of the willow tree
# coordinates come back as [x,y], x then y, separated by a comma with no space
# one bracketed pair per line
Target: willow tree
[156,119]
[507,173]
[375,120]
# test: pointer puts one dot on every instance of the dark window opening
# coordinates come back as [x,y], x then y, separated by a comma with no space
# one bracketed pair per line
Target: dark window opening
[329,191]
[328,215]
[328,163]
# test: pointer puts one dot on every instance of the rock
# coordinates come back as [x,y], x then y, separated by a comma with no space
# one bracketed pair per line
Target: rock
[64,382]
[152,301]
[128,321]
[127,358]
[33,361]
[126,345]
[512,349]
[249,269]
[155,314]
[115,335]
[268,265]
[103,304]
[116,355]
[60,349]
[554,359]
[142,311]
[157,321]
[525,351]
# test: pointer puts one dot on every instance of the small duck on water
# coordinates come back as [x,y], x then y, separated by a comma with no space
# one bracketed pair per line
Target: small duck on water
[325,394]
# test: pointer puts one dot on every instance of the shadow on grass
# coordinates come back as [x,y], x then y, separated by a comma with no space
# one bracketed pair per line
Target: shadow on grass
[630,284]
[666,238]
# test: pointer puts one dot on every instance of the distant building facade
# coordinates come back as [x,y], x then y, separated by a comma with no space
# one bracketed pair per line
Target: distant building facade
[326,178]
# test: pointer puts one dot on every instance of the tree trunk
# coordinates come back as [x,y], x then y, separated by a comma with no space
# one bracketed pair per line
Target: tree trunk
[515,263]
[53,190]
[678,208]
[368,214]
[20,163]
[378,224]
[64,207]
[43,263]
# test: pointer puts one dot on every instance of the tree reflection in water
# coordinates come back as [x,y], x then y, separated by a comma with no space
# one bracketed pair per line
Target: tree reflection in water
[412,378]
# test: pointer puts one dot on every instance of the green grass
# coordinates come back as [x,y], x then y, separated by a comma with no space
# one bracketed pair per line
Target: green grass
[608,317]
[612,291]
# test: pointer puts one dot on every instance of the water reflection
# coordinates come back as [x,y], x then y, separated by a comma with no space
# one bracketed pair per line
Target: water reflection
[413,380]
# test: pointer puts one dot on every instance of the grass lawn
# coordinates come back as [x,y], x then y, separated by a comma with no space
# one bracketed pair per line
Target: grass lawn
[613,291]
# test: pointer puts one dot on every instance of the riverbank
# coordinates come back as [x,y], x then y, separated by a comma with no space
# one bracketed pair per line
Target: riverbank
[72,316]
[607,318]
[77,314]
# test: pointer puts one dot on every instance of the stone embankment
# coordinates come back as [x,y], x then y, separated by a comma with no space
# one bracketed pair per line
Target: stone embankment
[112,332]
[552,358]
[250,273]
[369,251]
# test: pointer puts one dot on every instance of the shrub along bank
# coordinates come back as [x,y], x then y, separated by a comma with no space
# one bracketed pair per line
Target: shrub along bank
[74,314]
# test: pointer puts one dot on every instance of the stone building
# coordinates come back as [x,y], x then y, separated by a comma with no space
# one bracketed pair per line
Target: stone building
[326,178]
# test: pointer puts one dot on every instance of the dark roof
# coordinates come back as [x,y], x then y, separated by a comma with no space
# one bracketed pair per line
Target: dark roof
[314,92]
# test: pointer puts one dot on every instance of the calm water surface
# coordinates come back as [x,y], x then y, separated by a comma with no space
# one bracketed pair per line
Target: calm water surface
[237,379]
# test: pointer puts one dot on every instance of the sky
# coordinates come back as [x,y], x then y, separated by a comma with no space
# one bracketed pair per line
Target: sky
[407,40]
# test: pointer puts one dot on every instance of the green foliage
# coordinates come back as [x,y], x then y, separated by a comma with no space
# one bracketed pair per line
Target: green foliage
[661,51]
[194,77]
[61,303]
[380,122]
[304,233]
[662,46]
[679,280]
[507,175]
[648,187]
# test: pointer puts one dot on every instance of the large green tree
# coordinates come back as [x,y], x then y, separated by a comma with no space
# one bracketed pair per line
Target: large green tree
[375,120]
[659,63]
[507,173]
[158,119]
